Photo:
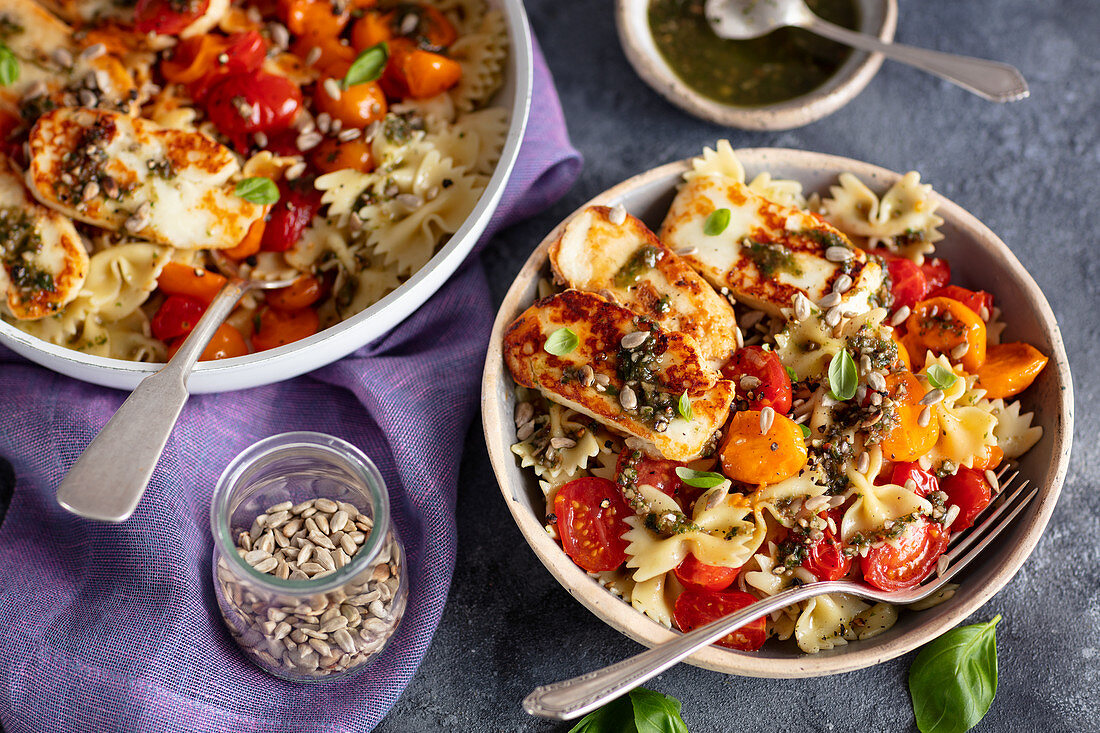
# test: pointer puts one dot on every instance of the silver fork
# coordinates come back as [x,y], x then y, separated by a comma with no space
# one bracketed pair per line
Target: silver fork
[575,697]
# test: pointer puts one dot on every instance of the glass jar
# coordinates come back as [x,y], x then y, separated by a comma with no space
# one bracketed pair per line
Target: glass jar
[298,613]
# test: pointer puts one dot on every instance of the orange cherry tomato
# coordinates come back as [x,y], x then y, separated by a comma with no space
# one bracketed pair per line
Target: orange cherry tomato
[335,59]
[768,458]
[227,343]
[179,279]
[990,458]
[278,328]
[1009,369]
[411,72]
[250,245]
[357,107]
[334,155]
[373,28]
[314,17]
[695,608]
[908,441]
[941,325]
[591,518]
[302,293]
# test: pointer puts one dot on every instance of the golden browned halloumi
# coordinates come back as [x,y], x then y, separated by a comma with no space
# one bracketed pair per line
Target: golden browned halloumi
[52,70]
[129,174]
[768,252]
[631,264]
[43,260]
[673,362]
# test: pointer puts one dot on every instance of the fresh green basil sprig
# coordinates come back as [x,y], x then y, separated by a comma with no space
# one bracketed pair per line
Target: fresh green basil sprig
[954,679]
[9,66]
[368,65]
[699,479]
[684,407]
[843,377]
[639,711]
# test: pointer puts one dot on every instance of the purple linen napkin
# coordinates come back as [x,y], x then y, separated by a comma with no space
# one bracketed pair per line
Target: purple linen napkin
[115,627]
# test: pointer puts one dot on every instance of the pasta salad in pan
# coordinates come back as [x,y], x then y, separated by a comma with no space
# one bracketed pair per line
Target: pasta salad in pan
[773,390]
[338,142]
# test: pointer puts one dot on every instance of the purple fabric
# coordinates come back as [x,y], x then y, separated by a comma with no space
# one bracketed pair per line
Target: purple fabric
[115,627]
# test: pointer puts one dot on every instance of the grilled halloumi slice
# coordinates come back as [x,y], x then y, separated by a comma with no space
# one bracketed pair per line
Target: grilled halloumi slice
[40,41]
[43,260]
[80,12]
[673,360]
[628,262]
[129,174]
[767,252]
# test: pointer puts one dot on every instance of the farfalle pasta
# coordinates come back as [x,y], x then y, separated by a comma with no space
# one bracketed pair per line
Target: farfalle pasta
[861,433]
[335,144]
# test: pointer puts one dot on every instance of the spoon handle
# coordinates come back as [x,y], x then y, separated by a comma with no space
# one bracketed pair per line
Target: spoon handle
[107,481]
[995,81]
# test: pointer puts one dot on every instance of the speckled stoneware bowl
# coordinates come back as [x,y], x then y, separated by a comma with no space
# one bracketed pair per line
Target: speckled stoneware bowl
[341,339]
[876,17]
[978,258]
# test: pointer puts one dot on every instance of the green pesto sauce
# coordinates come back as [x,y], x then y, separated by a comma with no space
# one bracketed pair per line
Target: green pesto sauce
[784,64]
[770,257]
[18,237]
[643,259]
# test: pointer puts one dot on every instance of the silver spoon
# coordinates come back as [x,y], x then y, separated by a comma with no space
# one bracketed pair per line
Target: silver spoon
[743,19]
[108,479]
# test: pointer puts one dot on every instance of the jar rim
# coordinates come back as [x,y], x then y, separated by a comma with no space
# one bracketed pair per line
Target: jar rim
[354,459]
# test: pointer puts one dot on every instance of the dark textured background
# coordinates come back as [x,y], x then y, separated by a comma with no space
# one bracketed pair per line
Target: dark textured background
[1028,170]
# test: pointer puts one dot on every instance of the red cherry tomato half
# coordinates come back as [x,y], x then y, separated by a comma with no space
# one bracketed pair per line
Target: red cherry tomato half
[925,480]
[657,472]
[937,272]
[975,300]
[695,574]
[591,521]
[244,52]
[825,558]
[241,105]
[970,492]
[167,17]
[899,568]
[775,384]
[907,282]
[695,608]
[177,316]
[297,205]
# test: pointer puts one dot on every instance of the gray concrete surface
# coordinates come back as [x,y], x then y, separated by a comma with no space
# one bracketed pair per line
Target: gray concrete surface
[1026,169]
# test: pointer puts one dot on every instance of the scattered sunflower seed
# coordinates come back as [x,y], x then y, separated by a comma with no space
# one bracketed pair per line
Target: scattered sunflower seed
[924,417]
[617,215]
[634,340]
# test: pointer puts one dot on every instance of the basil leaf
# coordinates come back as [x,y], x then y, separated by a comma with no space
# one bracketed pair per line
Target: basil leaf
[717,222]
[641,710]
[561,342]
[699,479]
[791,373]
[953,680]
[368,65]
[684,407]
[258,190]
[941,377]
[656,713]
[843,376]
[9,66]
[805,430]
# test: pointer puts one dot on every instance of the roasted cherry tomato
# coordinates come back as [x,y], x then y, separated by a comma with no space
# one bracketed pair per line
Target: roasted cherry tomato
[167,17]
[177,316]
[303,292]
[591,521]
[695,608]
[695,574]
[289,217]
[337,155]
[412,72]
[975,300]
[907,282]
[278,328]
[657,472]
[899,568]
[925,481]
[357,106]
[937,272]
[970,492]
[179,279]
[775,384]
[227,342]
[241,105]
[825,559]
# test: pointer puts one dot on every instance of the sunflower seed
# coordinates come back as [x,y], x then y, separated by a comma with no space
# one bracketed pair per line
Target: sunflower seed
[339,521]
[279,35]
[829,301]
[994,482]
[952,514]
[525,431]
[627,398]
[839,254]
[321,540]
[960,351]
[924,417]
[295,171]
[864,462]
[876,381]
[687,251]
[900,315]
[313,56]
[617,215]
[267,542]
[332,88]
[299,508]
[321,520]
[767,417]
[336,622]
[932,397]
[562,443]
[311,567]
[92,52]
[349,134]
[634,339]
[308,141]
[802,307]
[324,557]
[843,283]
[278,519]
[256,556]
[266,566]
[983,313]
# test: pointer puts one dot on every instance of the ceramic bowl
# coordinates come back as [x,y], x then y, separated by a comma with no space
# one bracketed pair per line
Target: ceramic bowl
[876,17]
[978,258]
[343,338]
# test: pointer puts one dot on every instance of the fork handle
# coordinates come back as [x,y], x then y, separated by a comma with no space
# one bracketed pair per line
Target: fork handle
[992,80]
[573,698]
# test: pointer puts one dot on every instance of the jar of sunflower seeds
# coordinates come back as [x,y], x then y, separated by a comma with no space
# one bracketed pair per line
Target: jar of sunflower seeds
[309,572]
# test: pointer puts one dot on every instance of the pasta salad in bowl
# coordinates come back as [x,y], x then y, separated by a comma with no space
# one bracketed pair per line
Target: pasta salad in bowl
[359,146]
[808,369]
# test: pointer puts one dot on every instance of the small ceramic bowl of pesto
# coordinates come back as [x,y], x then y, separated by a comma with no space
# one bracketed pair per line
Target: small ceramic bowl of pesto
[785,79]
